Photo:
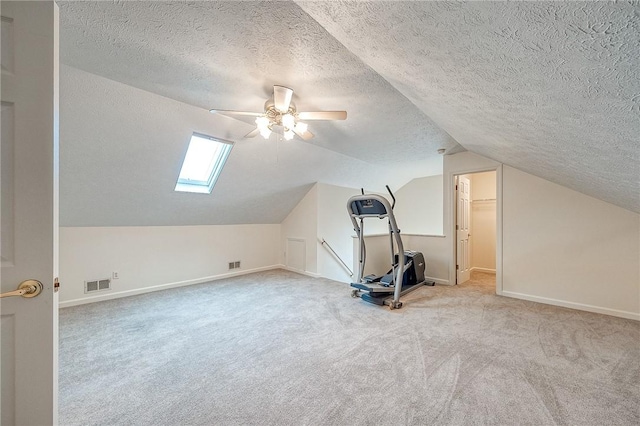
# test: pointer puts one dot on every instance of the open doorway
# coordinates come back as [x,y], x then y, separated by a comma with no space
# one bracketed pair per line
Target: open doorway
[475,228]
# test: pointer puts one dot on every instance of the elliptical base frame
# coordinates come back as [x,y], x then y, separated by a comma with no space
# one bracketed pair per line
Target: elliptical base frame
[383,299]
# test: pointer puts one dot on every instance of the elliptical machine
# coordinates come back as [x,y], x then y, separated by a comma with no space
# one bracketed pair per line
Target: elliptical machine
[406,274]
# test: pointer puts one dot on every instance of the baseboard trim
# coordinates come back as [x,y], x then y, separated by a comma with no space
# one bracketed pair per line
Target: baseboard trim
[573,305]
[297,271]
[438,280]
[137,291]
[487,270]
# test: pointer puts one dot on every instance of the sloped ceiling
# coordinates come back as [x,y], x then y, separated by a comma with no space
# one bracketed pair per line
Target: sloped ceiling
[121,151]
[549,88]
[226,55]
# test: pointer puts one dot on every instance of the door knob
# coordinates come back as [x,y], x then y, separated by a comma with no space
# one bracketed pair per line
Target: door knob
[28,288]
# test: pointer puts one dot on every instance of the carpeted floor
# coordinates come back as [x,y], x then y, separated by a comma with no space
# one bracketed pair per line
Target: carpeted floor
[278,348]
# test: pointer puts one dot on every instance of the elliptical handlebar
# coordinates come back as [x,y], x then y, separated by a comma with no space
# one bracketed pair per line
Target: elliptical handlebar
[392,197]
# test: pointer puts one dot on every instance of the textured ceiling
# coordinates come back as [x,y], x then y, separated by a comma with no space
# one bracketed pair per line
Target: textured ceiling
[225,55]
[549,88]
[121,150]
[228,55]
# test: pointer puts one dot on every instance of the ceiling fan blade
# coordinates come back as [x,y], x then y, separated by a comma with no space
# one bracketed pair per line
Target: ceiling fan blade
[323,115]
[252,134]
[229,112]
[282,98]
[304,135]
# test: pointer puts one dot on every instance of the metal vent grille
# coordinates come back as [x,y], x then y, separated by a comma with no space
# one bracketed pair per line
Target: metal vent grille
[90,286]
[234,265]
[97,285]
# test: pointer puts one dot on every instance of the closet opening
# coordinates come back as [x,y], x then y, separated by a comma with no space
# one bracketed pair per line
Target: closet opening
[475,228]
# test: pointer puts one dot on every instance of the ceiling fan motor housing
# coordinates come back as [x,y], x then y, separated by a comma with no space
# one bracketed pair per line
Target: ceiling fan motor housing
[275,116]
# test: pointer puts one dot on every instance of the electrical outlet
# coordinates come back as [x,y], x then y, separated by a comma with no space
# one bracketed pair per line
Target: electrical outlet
[115,275]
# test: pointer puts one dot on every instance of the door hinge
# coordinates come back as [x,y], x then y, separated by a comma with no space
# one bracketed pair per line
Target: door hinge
[56,285]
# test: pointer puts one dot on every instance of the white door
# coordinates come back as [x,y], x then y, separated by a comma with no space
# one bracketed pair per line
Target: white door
[28,206]
[463,193]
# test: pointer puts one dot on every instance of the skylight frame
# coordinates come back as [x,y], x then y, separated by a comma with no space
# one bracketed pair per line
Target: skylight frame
[213,168]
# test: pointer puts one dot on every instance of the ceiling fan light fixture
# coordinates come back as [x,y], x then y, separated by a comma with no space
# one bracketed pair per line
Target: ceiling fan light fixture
[288,134]
[264,126]
[265,133]
[279,110]
[301,127]
[262,122]
[288,121]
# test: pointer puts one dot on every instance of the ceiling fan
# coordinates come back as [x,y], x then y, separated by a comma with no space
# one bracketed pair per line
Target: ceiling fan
[280,111]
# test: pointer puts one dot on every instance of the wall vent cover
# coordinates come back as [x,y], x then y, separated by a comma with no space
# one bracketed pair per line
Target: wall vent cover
[234,265]
[97,285]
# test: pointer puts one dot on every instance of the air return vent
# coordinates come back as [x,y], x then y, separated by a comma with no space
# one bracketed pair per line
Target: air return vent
[234,265]
[97,285]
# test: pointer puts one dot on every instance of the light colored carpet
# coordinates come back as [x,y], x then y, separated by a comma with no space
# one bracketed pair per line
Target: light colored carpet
[278,348]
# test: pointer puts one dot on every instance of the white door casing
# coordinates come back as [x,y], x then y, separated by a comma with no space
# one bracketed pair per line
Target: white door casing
[460,164]
[463,256]
[28,206]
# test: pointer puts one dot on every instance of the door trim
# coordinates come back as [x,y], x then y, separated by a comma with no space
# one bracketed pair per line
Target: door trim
[451,205]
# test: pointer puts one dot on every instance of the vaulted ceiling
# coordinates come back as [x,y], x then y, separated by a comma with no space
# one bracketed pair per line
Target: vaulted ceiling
[550,88]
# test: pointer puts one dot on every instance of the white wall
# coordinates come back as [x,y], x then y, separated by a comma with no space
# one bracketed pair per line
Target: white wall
[322,213]
[434,250]
[483,221]
[567,248]
[152,257]
[378,260]
[334,225]
[302,224]
[483,186]
[558,246]
[419,206]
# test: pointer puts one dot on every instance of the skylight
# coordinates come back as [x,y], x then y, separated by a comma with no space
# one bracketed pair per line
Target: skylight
[203,163]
